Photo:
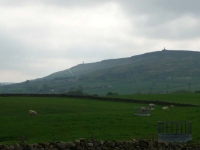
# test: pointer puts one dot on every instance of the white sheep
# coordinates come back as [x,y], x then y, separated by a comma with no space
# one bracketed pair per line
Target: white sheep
[32,113]
[144,109]
[152,105]
[172,106]
[165,108]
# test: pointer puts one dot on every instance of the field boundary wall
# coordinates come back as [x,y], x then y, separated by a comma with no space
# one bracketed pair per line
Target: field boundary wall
[102,98]
[82,144]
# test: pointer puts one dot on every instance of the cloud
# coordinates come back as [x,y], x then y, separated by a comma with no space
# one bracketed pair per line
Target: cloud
[14,76]
[55,27]
[170,19]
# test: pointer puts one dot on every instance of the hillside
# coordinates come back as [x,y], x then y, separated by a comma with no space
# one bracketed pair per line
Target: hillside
[158,65]
[82,69]
[161,71]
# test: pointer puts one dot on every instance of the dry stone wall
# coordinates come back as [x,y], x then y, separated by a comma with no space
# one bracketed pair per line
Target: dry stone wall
[104,99]
[82,144]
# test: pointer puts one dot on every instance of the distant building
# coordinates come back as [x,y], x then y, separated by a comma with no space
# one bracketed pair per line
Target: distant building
[164,49]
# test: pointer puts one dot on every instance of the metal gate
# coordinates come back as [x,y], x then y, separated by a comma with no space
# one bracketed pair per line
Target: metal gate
[174,131]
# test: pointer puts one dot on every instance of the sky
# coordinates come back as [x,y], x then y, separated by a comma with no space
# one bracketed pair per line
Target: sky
[40,37]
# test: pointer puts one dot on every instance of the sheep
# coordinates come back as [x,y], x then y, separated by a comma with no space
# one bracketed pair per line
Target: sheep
[32,113]
[152,108]
[165,108]
[172,106]
[144,109]
[152,105]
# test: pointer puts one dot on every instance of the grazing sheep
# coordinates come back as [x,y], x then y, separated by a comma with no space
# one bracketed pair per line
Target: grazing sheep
[152,108]
[165,108]
[172,106]
[144,109]
[32,113]
[152,105]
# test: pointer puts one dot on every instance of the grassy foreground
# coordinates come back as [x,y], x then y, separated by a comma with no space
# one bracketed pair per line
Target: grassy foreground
[67,119]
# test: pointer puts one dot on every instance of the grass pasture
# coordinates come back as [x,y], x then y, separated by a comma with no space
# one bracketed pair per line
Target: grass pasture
[186,98]
[67,119]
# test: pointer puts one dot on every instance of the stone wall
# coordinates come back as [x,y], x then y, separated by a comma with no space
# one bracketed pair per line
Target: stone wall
[104,99]
[82,144]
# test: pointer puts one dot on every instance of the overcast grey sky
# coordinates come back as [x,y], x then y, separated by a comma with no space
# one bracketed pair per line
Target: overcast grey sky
[40,37]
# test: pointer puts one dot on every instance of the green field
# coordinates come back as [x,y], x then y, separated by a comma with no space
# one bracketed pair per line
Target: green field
[67,119]
[186,98]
